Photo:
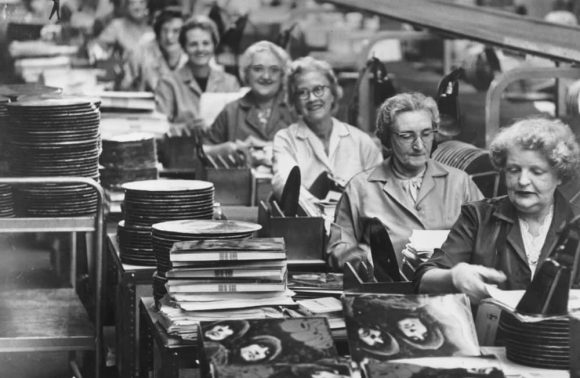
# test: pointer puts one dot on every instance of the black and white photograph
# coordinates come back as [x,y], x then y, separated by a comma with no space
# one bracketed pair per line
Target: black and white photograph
[181,178]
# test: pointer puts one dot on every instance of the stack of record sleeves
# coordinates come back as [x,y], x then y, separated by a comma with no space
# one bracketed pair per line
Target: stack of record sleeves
[154,201]
[543,344]
[55,137]
[167,233]
[127,158]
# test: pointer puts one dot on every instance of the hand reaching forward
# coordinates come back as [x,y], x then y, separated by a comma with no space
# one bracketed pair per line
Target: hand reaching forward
[471,279]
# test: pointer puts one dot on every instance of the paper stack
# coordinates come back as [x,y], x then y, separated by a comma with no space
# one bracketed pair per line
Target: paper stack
[421,246]
[212,275]
[329,307]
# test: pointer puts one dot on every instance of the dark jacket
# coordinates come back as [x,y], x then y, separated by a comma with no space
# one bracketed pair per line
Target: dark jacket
[488,233]
[239,120]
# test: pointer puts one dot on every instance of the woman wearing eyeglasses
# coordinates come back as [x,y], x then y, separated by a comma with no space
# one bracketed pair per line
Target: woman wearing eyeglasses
[407,191]
[250,123]
[318,142]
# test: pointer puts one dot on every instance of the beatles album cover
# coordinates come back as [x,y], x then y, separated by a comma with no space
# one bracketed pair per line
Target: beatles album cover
[328,368]
[385,327]
[266,341]
[394,369]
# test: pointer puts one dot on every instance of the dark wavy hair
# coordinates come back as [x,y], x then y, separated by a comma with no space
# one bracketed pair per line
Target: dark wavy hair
[165,15]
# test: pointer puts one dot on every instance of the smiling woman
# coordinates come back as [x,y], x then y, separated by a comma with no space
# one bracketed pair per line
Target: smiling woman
[178,94]
[504,240]
[318,142]
[249,124]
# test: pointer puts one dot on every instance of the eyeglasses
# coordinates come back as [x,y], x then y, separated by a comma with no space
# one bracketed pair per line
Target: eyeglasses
[317,91]
[410,137]
[259,69]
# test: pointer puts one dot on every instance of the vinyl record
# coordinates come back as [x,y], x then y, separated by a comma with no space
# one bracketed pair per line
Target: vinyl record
[536,362]
[174,186]
[206,227]
[15,91]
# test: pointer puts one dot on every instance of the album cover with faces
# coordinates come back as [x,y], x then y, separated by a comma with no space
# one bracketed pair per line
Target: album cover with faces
[384,327]
[267,341]
[327,368]
[395,369]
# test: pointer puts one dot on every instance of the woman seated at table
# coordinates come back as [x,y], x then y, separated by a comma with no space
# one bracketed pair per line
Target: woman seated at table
[318,142]
[178,94]
[407,191]
[250,123]
[504,240]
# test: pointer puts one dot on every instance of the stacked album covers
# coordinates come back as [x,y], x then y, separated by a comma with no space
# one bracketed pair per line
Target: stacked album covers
[225,266]
[272,348]
[208,276]
[385,327]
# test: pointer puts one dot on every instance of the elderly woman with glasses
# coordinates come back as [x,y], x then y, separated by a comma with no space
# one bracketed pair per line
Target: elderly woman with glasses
[504,240]
[318,142]
[407,191]
[251,122]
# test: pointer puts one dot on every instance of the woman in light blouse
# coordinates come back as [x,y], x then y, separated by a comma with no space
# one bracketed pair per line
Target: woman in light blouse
[318,142]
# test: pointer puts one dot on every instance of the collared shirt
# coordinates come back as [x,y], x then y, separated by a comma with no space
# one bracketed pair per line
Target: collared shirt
[377,193]
[350,151]
[145,66]
[488,233]
[178,94]
[239,120]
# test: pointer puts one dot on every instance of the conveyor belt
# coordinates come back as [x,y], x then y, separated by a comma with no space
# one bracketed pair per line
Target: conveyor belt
[482,24]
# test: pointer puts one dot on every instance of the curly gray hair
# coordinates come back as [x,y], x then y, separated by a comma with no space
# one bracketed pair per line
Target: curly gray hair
[401,103]
[248,56]
[554,139]
[309,64]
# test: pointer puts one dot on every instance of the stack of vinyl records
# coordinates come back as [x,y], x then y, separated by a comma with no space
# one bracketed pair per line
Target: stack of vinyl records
[543,344]
[463,156]
[129,157]
[6,202]
[472,160]
[167,233]
[3,136]
[154,201]
[55,137]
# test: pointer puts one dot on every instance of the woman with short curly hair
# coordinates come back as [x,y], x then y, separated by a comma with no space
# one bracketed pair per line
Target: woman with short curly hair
[504,240]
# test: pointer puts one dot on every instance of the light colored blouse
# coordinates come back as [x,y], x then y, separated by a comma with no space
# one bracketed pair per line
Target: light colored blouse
[350,151]
[533,243]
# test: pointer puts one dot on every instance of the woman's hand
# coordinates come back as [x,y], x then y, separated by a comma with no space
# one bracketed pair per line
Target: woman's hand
[192,128]
[471,279]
